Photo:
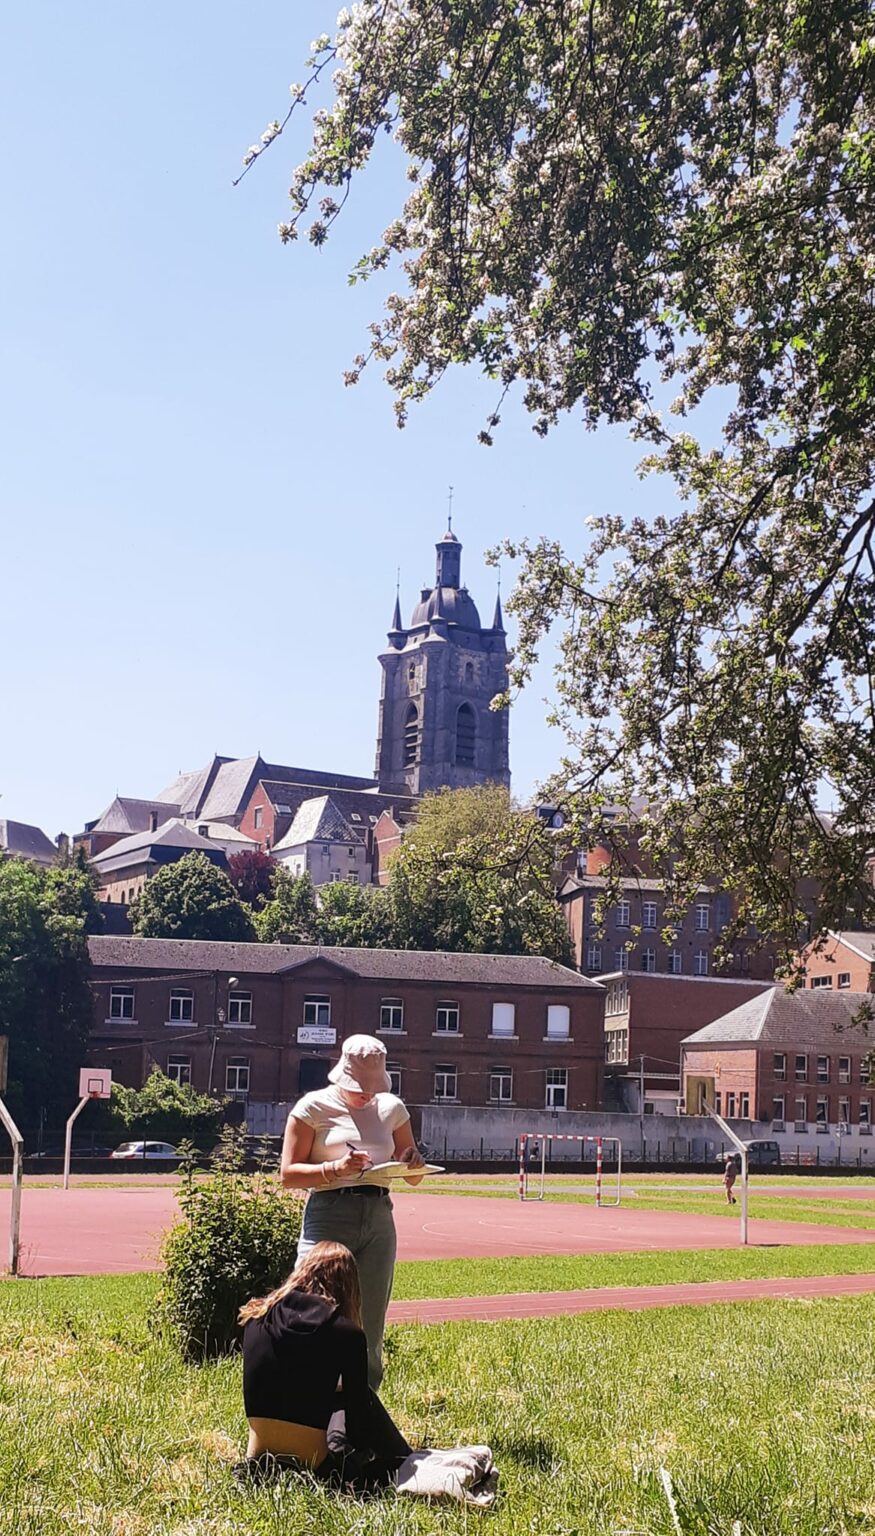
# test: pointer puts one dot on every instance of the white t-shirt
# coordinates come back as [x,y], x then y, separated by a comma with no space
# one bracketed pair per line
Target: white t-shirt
[370,1129]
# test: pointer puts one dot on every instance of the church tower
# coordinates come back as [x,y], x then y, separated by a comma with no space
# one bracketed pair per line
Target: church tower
[439,676]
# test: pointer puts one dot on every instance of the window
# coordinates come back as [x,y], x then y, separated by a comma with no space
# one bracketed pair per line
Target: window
[844,1069]
[352,879]
[617,1046]
[181,1006]
[237,1075]
[617,1000]
[121,1002]
[503,1018]
[258,817]
[801,1113]
[821,981]
[730,1106]
[702,916]
[778,1107]
[240,1008]
[411,736]
[675,962]
[179,1069]
[411,672]
[821,1116]
[718,1102]
[556,1088]
[335,877]
[593,957]
[621,959]
[317,1011]
[558,1021]
[445,1083]
[865,1114]
[700,962]
[648,914]
[844,1111]
[624,914]
[844,980]
[802,1069]
[501,1085]
[779,1067]
[466,736]
[648,960]
[823,1069]
[446,1020]
[394,1073]
[864,1071]
[744,1106]
[469,671]
[391,1014]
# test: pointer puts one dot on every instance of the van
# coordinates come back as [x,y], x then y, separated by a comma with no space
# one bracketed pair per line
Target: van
[763,1154]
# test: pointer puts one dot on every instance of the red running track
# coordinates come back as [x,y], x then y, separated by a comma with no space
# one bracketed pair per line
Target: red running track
[90,1231]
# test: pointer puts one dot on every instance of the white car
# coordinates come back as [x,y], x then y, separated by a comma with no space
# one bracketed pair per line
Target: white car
[150,1150]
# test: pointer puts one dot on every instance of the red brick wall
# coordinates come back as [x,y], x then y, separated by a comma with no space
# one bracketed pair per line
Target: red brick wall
[835,959]
[663,1010]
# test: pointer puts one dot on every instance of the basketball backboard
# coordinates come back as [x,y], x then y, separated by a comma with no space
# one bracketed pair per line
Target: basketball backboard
[95,1083]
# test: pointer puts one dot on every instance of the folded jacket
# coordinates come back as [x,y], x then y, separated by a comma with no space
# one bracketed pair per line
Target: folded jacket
[466,1474]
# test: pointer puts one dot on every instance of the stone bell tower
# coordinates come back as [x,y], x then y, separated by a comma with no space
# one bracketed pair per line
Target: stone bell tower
[439,676]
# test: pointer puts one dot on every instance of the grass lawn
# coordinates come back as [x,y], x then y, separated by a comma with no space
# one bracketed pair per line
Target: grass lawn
[763,1413]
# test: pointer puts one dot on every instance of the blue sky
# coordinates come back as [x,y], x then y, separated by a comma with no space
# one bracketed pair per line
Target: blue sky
[201,525]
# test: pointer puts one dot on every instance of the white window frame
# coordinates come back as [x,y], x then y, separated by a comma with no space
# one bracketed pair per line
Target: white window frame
[621,959]
[648,961]
[844,1070]
[800,1102]
[617,1047]
[122,995]
[779,1099]
[240,1009]
[502,1014]
[317,1011]
[624,914]
[556,1088]
[823,1069]
[843,980]
[258,817]
[700,962]
[179,1069]
[744,1105]
[702,916]
[675,963]
[445,1013]
[821,1112]
[649,915]
[391,1016]
[816,982]
[393,1071]
[593,957]
[730,1105]
[844,1110]
[558,1025]
[779,1073]
[800,1074]
[501,1078]
[241,1067]
[864,1113]
[445,1075]
[181,1006]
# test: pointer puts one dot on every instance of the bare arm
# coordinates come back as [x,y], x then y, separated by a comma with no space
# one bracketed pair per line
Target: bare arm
[297,1170]
[407,1151]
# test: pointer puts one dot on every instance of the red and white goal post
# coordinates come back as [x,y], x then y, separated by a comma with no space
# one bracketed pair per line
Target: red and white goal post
[601,1142]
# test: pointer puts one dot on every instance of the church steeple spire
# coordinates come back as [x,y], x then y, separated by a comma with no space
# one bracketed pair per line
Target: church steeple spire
[498,617]
[396,633]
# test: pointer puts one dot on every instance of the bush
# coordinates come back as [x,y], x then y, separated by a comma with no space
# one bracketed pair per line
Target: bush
[238,1237]
[162,1110]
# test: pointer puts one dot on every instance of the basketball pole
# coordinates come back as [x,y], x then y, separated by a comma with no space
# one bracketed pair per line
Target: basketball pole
[17,1140]
[68,1139]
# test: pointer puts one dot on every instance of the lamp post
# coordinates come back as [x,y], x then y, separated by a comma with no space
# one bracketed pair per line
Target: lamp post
[219,1020]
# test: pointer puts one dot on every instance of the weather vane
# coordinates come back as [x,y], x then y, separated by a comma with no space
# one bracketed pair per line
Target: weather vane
[450,513]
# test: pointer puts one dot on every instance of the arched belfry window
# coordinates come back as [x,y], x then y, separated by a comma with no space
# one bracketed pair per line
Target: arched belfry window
[411,735]
[466,736]
[469,671]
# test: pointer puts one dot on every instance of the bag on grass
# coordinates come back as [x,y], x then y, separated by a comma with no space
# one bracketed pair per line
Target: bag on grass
[466,1474]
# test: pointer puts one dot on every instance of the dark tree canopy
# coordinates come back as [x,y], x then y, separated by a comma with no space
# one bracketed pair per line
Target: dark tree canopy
[612,203]
[191,899]
[252,876]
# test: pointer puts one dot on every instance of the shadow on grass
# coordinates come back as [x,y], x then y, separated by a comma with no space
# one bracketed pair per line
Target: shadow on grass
[529,1450]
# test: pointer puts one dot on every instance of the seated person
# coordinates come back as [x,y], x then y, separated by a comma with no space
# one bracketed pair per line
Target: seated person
[305,1379]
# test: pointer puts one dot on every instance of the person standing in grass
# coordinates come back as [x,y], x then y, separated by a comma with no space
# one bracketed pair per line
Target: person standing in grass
[730,1174]
[332,1137]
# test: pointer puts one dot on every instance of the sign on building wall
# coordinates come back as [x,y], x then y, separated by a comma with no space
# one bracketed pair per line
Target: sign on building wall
[316,1034]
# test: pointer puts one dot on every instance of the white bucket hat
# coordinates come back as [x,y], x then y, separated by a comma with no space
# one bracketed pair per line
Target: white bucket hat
[362,1066]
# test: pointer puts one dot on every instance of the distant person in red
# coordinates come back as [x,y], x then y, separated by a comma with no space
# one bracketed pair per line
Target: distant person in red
[730,1174]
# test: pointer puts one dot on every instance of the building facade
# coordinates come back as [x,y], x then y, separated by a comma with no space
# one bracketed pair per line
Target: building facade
[440,675]
[631,935]
[264,1022]
[844,963]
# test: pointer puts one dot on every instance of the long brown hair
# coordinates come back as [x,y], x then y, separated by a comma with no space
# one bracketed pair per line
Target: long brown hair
[328,1270]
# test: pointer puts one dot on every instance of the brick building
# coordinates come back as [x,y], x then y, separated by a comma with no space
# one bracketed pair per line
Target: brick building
[264,1022]
[647,1016]
[797,1062]
[615,946]
[843,964]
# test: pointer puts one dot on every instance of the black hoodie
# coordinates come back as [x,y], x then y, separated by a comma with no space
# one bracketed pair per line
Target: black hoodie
[293,1358]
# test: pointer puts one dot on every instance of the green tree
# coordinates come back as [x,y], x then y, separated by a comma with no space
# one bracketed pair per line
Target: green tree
[45,998]
[191,899]
[162,1110]
[476,874]
[292,915]
[610,206]
[358,916]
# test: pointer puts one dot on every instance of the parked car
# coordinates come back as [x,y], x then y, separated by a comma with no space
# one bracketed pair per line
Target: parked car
[148,1150]
[763,1154]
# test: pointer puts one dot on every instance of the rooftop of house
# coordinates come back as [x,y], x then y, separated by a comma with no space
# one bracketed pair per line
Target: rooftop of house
[141,847]
[795,1019]
[861,943]
[126,815]
[177,955]
[22,841]
[318,821]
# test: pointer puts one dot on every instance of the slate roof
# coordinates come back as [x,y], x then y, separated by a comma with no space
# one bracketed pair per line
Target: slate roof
[862,943]
[140,848]
[361,807]
[23,841]
[221,789]
[318,821]
[126,815]
[188,789]
[630,883]
[796,1019]
[113,953]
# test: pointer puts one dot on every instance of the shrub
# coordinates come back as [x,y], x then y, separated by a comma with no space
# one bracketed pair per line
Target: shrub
[238,1237]
[162,1110]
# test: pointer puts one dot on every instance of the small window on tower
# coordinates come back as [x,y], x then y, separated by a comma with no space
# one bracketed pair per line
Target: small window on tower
[466,736]
[411,672]
[469,671]
[411,736]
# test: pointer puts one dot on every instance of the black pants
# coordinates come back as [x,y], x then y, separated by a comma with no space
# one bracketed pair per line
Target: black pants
[347,1468]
